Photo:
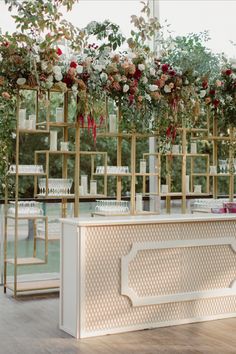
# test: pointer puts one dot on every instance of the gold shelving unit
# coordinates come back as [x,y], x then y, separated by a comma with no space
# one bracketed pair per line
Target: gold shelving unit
[138,180]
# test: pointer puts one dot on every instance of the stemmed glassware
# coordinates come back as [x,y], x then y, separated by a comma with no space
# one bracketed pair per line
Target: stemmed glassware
[112,169]
[56,186]
[26,208]
[34,169]
[112,207]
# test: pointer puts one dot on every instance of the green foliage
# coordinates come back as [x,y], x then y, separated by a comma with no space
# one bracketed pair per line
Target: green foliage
[191,54]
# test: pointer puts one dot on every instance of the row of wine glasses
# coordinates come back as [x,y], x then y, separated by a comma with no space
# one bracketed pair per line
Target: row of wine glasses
[112,169]
[26,208]
[111,207]
[209,204]
[26,169]
[56,186]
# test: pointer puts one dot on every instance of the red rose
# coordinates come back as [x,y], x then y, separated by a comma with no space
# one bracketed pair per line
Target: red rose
[73,64]
[68,81]
[137,74]
[204,84]
[228,72]
[59,51]
[216,103]
[165,68]
[6,44]
[172,73]
[212,92]
[131,99]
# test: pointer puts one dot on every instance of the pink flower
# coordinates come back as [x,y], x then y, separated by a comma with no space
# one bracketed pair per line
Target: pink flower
[73,64]
[164,77]
[6,95]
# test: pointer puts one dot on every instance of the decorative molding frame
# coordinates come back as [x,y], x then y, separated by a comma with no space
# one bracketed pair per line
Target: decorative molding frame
[187,296]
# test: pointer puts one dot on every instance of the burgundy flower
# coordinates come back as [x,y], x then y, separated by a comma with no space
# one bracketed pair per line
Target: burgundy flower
[172,73]
[228,72]
[68,81]
[216,102]
[6,44]
[168,131]
[212,92]
[73,64]
[204,84]
[59,51]
[165,68]
[137,74]
[131,99]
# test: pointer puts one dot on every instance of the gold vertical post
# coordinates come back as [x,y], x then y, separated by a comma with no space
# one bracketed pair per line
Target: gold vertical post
[133,175]
[77,169]
[215,156]
[184,151]
[119,155]
[231,168]
[16,195]
[5,233]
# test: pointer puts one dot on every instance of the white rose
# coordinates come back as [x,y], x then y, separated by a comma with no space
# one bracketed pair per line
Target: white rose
[98,67]
[202,93]
[148,98]
[58,77]
[152,71]
[37,58]
[144,80]
[48,84]
[167,89]
[79,69]
[50,78]
[141,67]
[57,70]
[44,65]
[125,88]
[153,87]
[21,81]
[103,77]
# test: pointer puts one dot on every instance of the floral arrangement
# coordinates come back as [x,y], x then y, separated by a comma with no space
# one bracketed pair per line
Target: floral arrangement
[220,96]
[151,92]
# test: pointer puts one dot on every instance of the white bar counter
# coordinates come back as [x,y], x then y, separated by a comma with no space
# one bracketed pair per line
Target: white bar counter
[128,273]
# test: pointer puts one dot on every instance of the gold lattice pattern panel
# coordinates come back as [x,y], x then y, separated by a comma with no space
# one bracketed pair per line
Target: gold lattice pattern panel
[106,308]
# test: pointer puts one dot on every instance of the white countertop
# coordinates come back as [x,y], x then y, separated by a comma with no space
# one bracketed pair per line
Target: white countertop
[145,219]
